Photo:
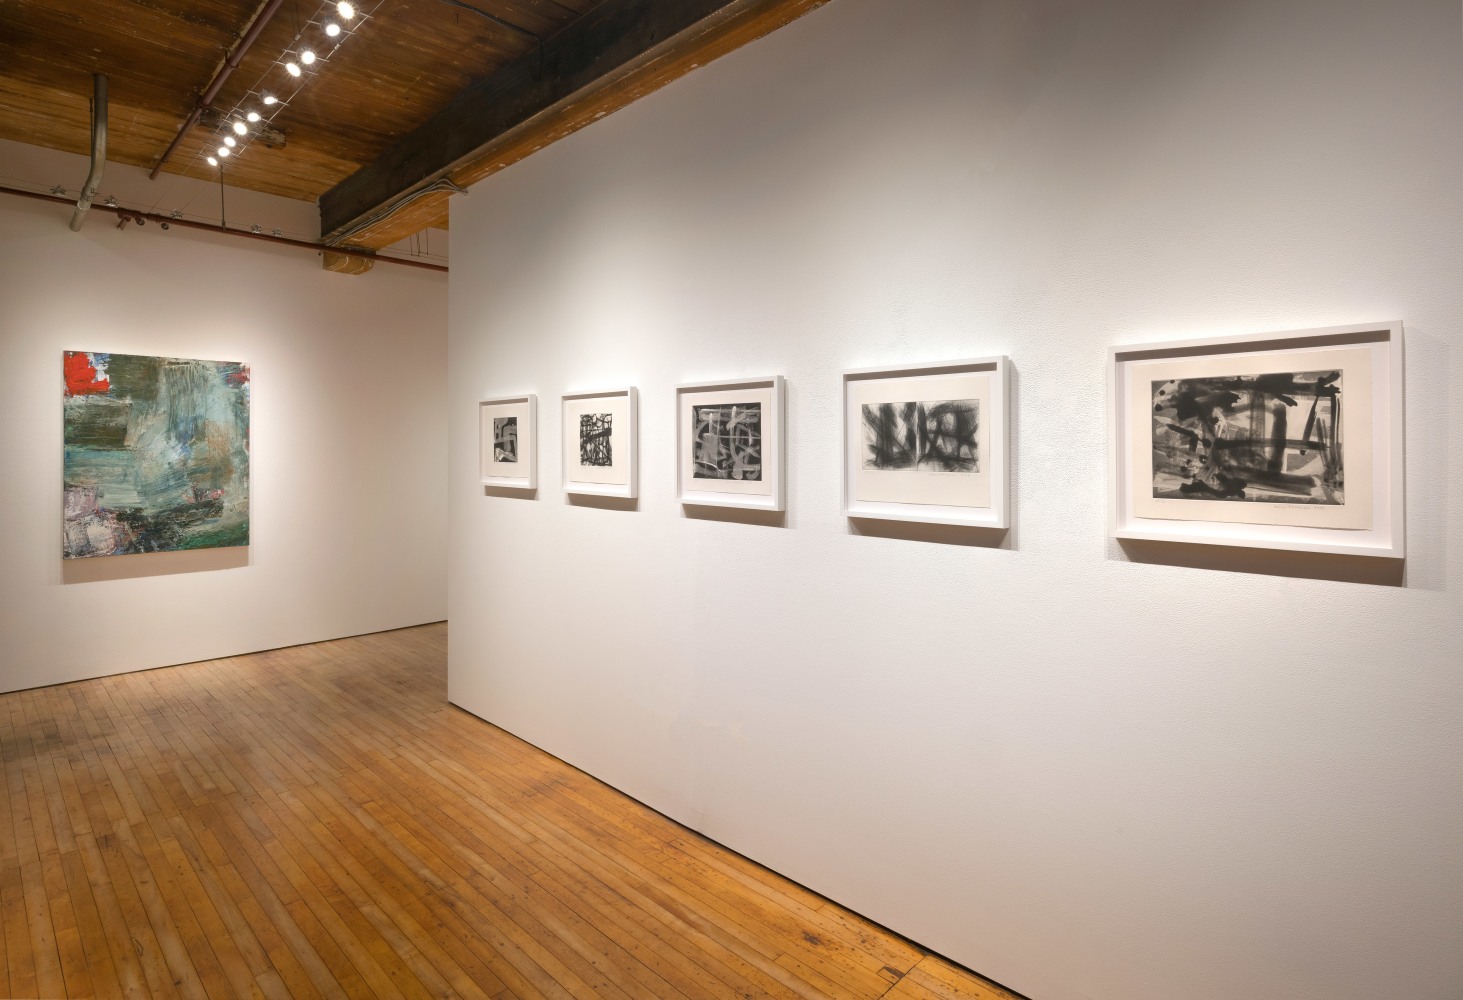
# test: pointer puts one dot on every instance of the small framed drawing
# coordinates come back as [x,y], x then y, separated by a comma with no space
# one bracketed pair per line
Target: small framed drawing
[729,443]
[600,432]
[508,441]
[1286,440]
[927,443]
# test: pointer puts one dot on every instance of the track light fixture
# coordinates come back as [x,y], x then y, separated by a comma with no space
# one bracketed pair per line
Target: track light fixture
[250,123]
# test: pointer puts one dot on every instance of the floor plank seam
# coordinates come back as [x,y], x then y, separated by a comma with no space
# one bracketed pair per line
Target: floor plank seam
[319,821]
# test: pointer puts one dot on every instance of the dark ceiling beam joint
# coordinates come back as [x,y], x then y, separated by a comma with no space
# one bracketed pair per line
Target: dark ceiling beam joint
[497,20]
[597,46]
[505,23]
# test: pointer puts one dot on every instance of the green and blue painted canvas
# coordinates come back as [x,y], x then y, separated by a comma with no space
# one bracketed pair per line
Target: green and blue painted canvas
[157,454]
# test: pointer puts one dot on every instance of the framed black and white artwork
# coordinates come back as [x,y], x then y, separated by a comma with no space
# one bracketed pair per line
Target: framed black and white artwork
[928,442]
[600,435]
[508,441]
[1289,440]
[729,443]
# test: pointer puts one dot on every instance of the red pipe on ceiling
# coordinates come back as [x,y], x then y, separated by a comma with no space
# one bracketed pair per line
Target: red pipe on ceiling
[128,214]
[230,64]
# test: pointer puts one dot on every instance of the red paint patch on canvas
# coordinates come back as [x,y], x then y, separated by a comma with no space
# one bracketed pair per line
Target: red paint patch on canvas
[81,377]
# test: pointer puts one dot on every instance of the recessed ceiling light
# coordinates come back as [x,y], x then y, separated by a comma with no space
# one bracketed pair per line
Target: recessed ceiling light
[332,29]
[223,151]
[229,141]
[346,10]
[307,57]
[241,128]
[213,161]
[292,68]
[253,116]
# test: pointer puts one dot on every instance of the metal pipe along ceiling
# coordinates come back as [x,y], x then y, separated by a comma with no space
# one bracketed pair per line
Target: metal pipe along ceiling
[98,152]
[125,215]
[230,63]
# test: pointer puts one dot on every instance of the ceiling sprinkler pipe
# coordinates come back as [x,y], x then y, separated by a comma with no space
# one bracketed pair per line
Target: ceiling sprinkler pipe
[230,63]
[98,152]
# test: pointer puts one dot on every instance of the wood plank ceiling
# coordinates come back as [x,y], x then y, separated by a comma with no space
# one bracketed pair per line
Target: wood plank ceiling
[356,131]
[391,72]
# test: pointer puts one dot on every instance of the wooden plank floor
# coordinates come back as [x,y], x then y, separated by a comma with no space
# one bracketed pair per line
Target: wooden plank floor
[319,822]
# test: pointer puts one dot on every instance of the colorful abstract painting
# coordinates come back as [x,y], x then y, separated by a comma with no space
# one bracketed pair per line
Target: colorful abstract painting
[156,454]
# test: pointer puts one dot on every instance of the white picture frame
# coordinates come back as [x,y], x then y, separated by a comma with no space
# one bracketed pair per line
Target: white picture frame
[612,469]
[1360,512]
[700,403]
[520,473]
[926,482]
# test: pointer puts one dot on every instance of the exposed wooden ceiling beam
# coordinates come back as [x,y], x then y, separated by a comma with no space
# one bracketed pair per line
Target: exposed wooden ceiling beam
[618,52]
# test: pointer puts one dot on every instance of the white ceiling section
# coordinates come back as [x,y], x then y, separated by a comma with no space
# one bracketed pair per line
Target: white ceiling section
[1089,771]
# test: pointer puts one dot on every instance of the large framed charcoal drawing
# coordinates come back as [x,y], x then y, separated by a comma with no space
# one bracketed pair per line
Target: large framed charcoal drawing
[600,433]
[508,442]
[928,442]
[156,454]
[1287,440]
[729,443]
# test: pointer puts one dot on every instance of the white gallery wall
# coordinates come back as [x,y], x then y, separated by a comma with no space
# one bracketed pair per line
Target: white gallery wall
[347,433]
[1087,770]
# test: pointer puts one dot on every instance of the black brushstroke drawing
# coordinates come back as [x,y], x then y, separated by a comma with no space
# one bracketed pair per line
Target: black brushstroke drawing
[594,439]
[949,435]
[726,441]
[890,436]
[505,439]
[932,436]
[1235,438]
